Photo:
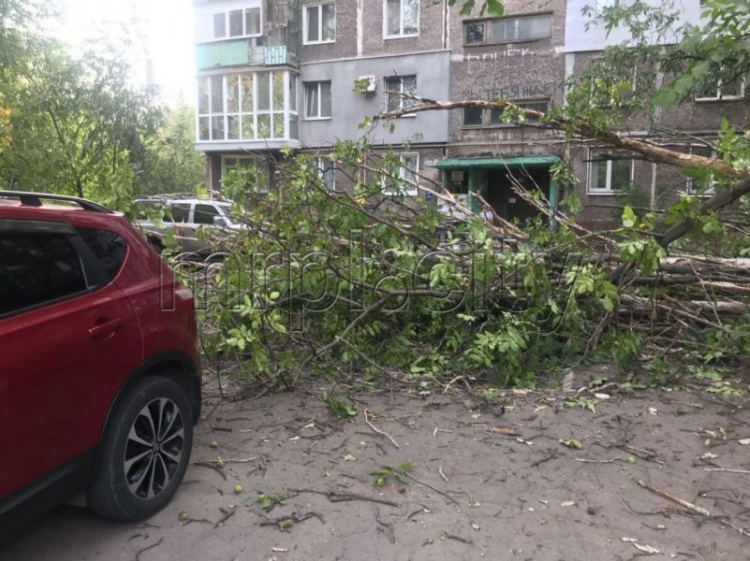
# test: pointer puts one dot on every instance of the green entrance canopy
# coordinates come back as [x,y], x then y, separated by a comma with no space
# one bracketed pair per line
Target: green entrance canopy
[459,164]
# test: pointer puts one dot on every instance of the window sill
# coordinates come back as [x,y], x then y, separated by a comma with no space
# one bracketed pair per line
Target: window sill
[602,192]
[392,37]
[228,39]
[313,43]
[520,41]
[719,99]
[317,119]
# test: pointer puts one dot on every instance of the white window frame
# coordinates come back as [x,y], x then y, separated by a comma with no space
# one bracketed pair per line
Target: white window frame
[319,7]
[710,189]
[489,38]
[318,117]
[227,32]
[254,161]
[401,34]
[608,187]
[720,97]
[401,100]
[413,192]
[274,113]
[324,166]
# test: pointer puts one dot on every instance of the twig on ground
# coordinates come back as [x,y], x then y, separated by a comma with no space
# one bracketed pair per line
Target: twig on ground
[443,493]
[387,525]
[457,538]
[227,515]
[671,497]
[145,549]
[221,461]
[341,497]
[442,474]
[214,467]
[546,459]
[729,470]
[377,430]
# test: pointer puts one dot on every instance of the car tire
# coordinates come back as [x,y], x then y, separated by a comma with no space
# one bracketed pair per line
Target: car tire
[144,453]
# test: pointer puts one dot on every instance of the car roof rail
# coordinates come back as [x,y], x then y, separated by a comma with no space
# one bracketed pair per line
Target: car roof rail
[35,199]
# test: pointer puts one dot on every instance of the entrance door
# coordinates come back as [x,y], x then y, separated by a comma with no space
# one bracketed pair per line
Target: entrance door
[505,202]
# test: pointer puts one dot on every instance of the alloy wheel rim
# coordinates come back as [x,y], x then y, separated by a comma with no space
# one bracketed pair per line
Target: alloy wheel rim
[154,449]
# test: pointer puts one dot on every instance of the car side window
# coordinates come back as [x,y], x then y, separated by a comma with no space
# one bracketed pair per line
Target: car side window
[180,212]
[36,268]
[108,248]
[204,214]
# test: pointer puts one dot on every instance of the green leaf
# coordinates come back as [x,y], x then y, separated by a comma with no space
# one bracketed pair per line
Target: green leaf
[629,218]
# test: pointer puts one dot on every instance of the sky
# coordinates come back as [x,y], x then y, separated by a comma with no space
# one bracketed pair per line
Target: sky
[162,30]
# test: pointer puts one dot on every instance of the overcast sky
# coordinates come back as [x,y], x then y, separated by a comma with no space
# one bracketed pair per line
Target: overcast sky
[166,28]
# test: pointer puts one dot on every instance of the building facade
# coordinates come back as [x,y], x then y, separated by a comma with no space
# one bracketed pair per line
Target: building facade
[280,73]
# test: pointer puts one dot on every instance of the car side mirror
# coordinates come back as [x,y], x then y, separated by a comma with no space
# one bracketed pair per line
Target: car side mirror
[220,221]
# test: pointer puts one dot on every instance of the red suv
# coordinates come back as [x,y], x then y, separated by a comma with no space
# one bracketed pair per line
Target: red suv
[99,368]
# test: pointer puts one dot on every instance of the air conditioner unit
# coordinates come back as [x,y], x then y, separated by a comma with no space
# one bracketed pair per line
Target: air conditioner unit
[372,84]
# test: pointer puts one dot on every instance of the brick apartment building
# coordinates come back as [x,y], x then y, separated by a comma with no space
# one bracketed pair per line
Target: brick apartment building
[280,73]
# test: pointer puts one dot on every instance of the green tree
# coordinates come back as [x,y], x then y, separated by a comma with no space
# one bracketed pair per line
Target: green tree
[172,164]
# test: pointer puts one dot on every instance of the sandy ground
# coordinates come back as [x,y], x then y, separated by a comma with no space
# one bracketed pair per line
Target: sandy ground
[476,493]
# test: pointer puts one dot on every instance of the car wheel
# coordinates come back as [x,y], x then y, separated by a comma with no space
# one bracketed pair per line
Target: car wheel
[144,452]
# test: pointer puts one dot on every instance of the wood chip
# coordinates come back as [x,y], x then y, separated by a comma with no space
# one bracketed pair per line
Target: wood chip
[508,431]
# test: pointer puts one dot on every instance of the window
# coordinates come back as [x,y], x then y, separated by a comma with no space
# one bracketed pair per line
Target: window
[220,26]
[327,172]
[407,182]
[396,87]
[609,171]
[318,100]
[258,164]
[37,268]
[247,106]
[401,18]
[705,183]
[108,248]
[474,117]
[180,212]
[204,214]
[320,23]
[508,30]
[242,23]
[713,89]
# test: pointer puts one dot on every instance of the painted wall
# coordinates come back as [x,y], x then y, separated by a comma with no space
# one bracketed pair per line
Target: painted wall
[579,39]
[349,110]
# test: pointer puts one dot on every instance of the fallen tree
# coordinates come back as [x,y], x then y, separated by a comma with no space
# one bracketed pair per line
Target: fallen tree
[371,283]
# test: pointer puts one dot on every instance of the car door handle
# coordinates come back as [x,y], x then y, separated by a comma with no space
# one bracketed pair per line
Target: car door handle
[104,326]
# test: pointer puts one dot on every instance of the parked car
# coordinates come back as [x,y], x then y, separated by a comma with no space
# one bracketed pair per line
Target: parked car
[183,218]
[99,367]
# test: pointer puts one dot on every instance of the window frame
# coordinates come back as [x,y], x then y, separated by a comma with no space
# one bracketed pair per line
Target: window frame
[227,31]
[286,113]
[607,191]
[255,161]
[306,22]
[326,166]
[710,189]
[401,171]
[719,97]
[319,116]
[488,34]
[401,34]
[94,276]
[401,100]
[487,116]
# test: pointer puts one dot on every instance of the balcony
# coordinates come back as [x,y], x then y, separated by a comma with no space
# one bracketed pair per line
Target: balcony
[242,52]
